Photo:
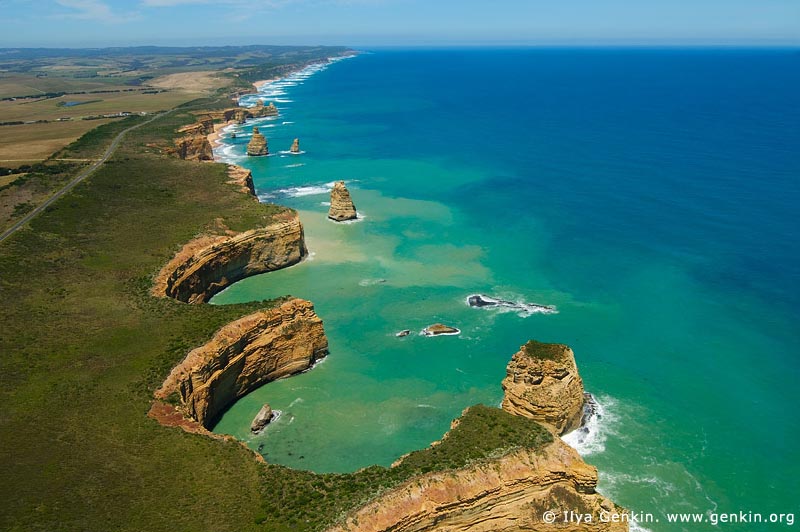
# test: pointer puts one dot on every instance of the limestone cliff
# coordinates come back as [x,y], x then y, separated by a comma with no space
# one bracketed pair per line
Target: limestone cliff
[508,494]
[237,114]
[204,126]
[258,144]
[241,114]
[194,148]
[342,207]
[242,178]
[542,383]
[208,264]
[244,355]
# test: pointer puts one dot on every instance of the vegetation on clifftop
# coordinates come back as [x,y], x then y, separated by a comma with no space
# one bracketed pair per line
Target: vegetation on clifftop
[84,345]
[544,351]
[304,501]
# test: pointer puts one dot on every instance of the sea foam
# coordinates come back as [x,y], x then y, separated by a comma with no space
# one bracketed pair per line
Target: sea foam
[602,421]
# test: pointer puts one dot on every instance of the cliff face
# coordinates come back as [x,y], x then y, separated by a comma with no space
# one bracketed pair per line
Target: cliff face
[237,114]
[207,265]
[242,114]
[505,495]
[244,355]
[542,383]
[258,144]
[204,126]
[194,148]
[242,178]
[342,207]
[260,110]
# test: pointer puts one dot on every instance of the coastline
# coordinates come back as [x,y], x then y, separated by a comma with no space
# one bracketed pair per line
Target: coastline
[192,368]
[214,139]
[260,83]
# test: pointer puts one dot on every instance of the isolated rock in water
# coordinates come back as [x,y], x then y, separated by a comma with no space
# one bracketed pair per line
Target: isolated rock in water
[404,332]
[342,207]
[542,383]
[262,419]
[484,301]
[260,110]
[257,145]
[295,146]
[438,329]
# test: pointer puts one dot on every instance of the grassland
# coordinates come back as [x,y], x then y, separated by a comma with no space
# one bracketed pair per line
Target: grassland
[84,345]
[28,144]
[48,95]
[35,85]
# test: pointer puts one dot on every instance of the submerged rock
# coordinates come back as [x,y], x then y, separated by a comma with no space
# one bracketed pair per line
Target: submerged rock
[404,332]
[438,329]
[484,301]
[262,419]
[295,146]
[342,207]
[257,145]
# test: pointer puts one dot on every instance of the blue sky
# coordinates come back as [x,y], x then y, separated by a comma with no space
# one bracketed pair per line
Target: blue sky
[397,22]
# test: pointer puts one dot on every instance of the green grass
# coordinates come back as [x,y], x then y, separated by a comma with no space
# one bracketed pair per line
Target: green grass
[83,346]
[545,351]
[304,501]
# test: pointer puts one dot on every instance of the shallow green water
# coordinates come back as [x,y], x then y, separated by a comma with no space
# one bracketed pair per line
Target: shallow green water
[650,196]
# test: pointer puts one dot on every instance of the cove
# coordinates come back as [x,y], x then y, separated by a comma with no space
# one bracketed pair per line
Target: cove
[648,195]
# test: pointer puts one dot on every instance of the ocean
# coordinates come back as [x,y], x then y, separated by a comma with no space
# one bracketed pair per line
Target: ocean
[650,195]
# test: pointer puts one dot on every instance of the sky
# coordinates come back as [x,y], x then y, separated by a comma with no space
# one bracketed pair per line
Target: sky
[81,23]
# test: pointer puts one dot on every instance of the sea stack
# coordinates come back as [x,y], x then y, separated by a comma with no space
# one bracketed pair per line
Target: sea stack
[262,419]
[257,145]
[542,383]
[295,146]
[342,207]
[261,110]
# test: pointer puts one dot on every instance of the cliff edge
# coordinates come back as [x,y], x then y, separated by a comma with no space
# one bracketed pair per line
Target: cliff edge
[208,264]
[243,355]
[542,383]
[507,493]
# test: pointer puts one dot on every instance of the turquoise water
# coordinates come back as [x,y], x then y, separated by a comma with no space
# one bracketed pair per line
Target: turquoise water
[649,195]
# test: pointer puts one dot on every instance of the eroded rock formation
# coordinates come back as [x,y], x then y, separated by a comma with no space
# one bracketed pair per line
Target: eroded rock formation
[242,178]
[342,207]
[542,383]
[194,148]
[244,355]
[262,419]
[204,126]
[258,144]
[260,110]
[508,494]
[208,264]
[241,114]
[295,146]
[439,329]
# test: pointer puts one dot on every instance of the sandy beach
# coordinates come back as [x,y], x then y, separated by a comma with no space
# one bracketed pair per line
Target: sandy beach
[213,138]
[261,83]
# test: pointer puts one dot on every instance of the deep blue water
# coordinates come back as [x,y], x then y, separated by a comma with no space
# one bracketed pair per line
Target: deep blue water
[650,194]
